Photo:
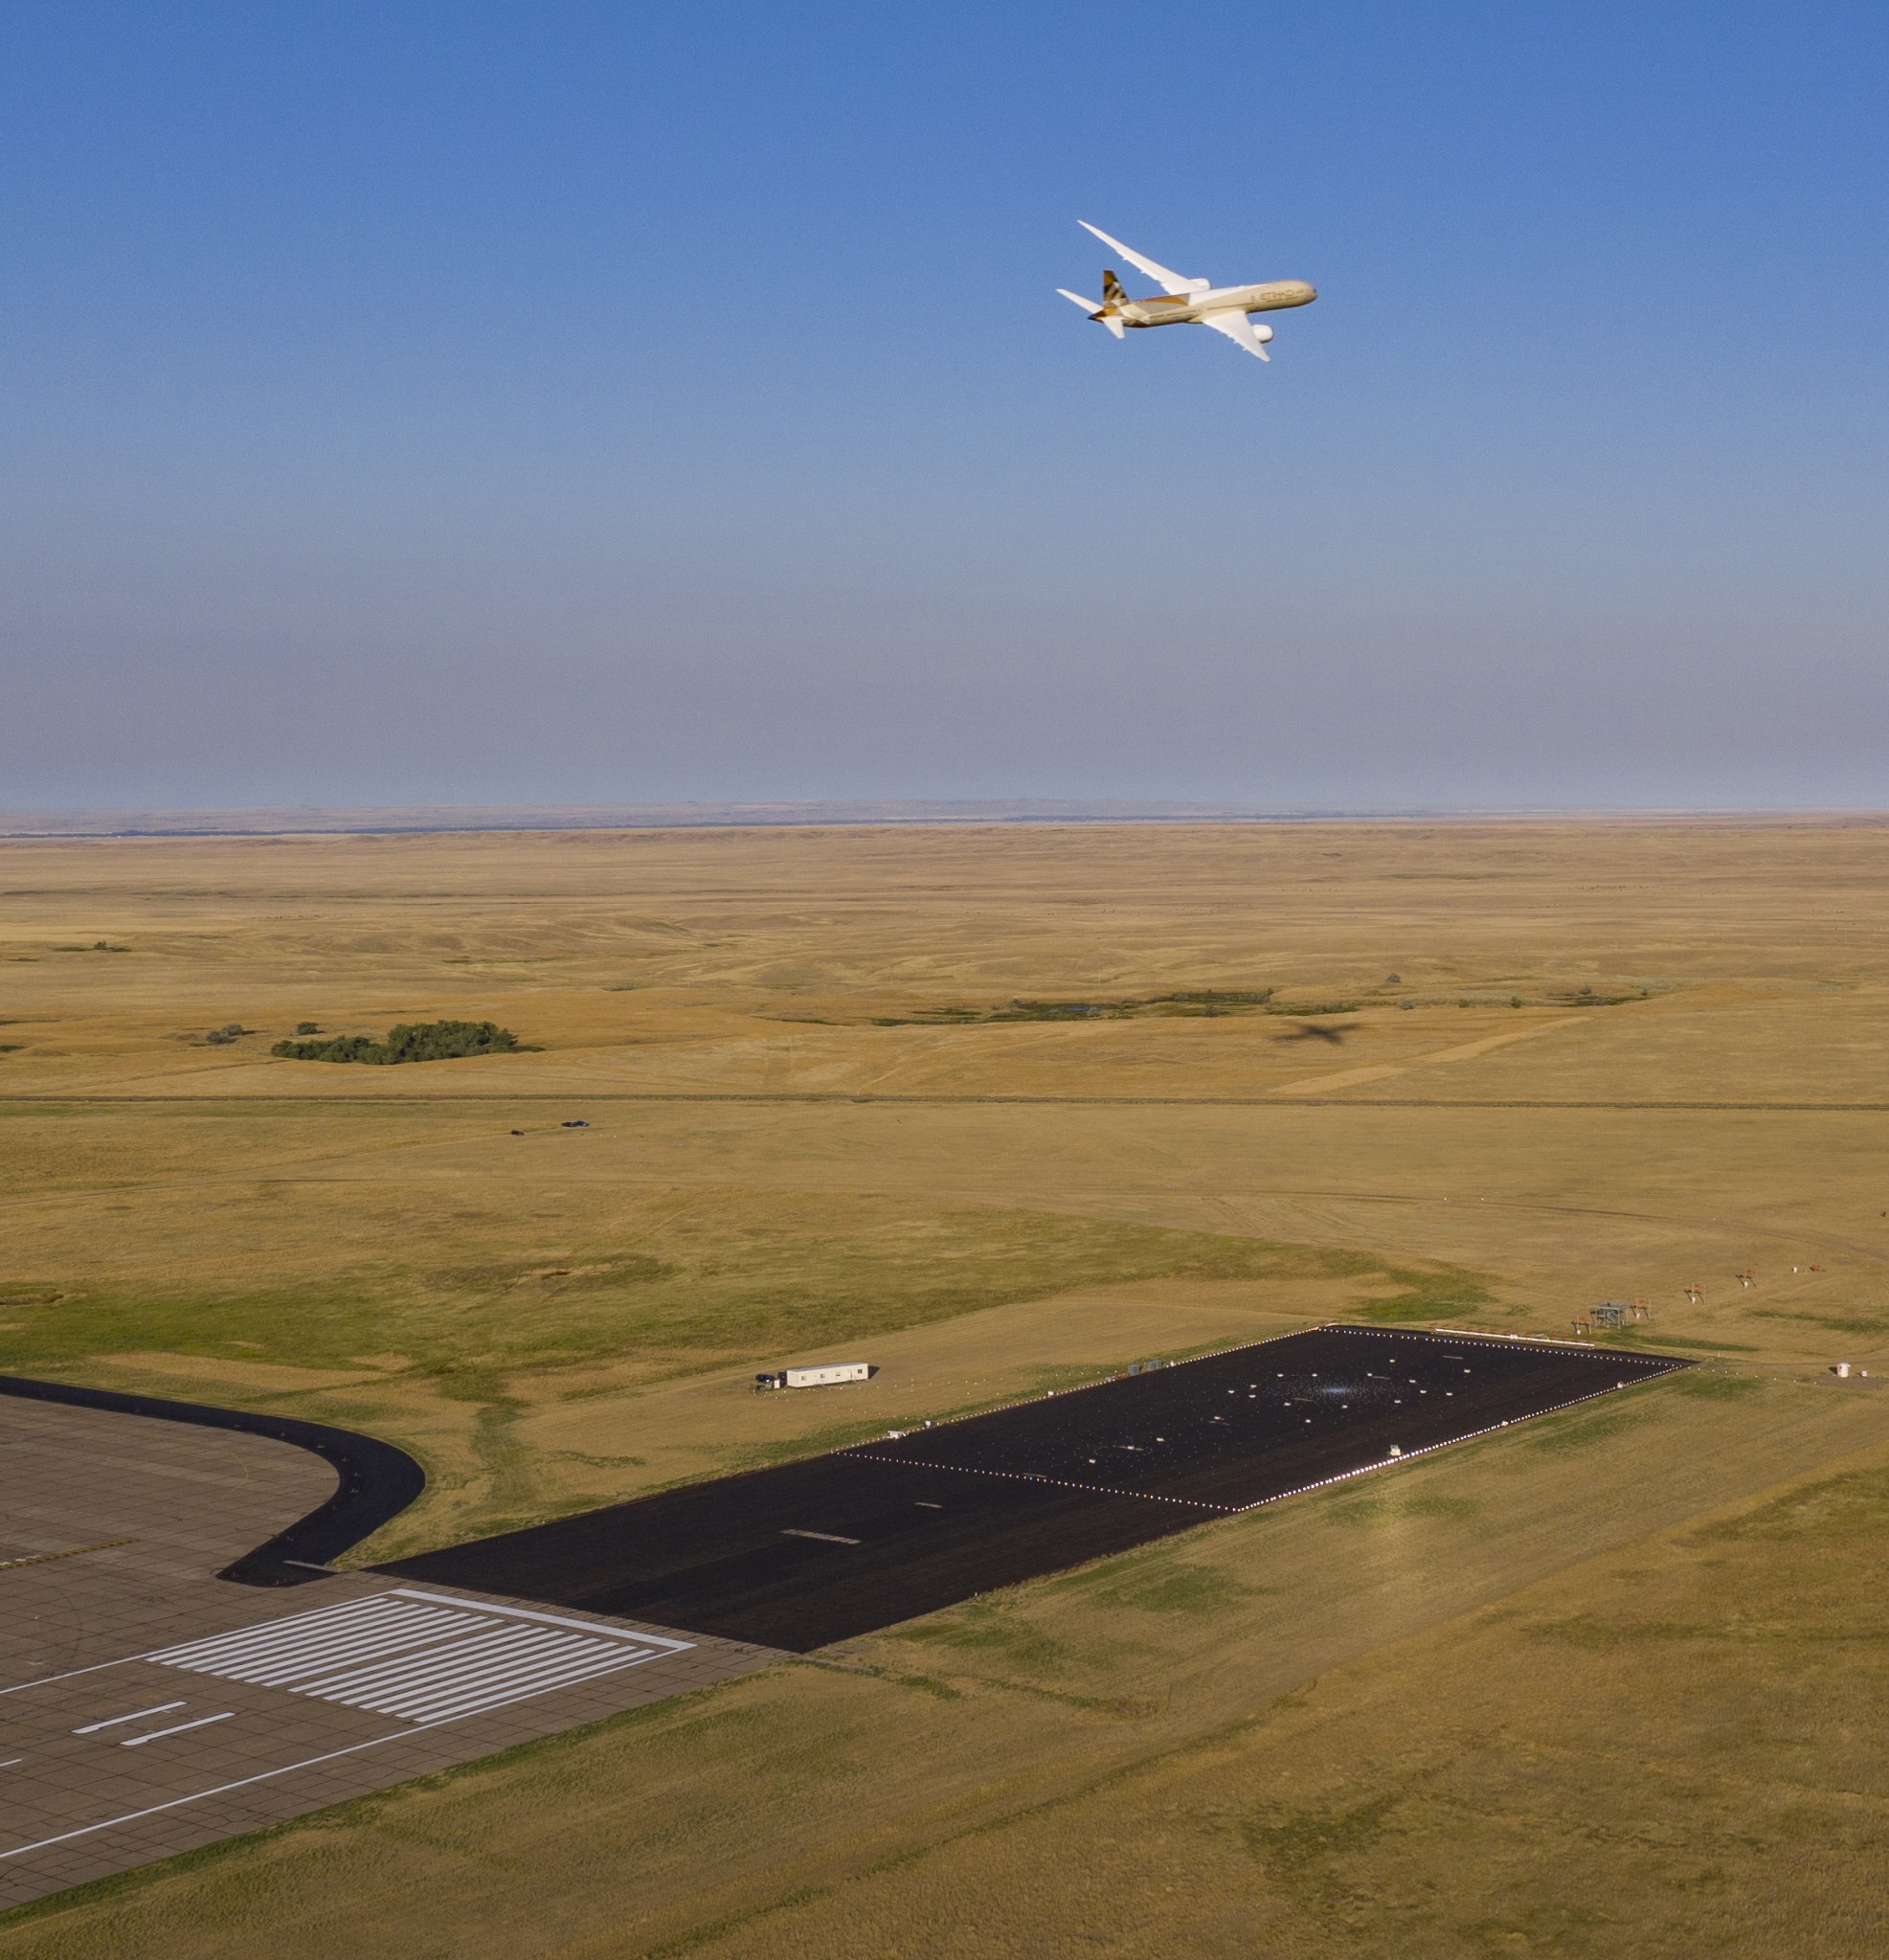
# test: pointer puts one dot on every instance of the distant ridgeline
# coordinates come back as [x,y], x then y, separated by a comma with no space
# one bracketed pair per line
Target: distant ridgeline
[411,1041]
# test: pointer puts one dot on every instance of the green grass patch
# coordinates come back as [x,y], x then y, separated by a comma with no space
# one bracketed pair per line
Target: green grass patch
[1853,1508]
[1381,1507]
[1582,1429]
[1206,1001]
[1704,1388]
[1155,1582]
[819,1443]
[1300,1845]
[1838,1323]
[1446,1295]
[702,1277]
[987,1630]
[1685,1341]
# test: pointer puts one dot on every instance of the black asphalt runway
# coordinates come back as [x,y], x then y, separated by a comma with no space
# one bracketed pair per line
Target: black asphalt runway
[835,1547]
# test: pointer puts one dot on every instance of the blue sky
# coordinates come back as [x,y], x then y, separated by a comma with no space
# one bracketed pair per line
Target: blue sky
[548,402]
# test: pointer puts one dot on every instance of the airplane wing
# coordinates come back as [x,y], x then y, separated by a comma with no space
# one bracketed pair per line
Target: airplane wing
[1170,282]
[1237,329]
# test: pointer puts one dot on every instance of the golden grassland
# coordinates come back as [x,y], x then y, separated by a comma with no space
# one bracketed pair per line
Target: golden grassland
[1605,1685]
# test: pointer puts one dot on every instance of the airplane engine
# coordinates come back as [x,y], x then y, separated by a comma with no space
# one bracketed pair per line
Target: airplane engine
[1261,331]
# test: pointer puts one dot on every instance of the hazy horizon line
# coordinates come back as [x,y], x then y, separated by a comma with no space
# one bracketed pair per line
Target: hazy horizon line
[308,820]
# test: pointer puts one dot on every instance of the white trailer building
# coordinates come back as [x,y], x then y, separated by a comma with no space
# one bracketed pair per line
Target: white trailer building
[830,1375]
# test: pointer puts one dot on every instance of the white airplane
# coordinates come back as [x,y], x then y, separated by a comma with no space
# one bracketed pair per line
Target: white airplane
[1189,301]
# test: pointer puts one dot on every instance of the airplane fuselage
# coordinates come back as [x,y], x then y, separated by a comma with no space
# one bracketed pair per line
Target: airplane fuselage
[1184,302]
[1159,310]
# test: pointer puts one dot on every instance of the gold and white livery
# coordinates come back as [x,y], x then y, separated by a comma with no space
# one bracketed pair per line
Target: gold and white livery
[1190,302]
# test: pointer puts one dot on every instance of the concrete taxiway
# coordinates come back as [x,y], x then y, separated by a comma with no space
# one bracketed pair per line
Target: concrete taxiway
[148,1707]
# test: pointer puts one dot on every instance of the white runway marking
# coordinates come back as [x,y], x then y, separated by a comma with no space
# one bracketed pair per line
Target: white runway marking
[470,1685]
[136,1715]
[196,1796]
[157,1735]
[824,1536]
[418,1655]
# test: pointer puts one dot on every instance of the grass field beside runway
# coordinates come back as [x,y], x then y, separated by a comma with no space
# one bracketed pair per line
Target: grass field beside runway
[1414,1720]
[565,1318]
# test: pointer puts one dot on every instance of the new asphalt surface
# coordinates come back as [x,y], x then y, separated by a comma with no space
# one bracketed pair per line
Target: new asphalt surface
[812,1552]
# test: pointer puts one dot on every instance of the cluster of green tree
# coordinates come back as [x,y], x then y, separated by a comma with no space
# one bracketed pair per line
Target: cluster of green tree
[410,1041]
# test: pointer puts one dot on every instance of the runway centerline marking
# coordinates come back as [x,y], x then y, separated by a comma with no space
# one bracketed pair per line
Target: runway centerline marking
[157,1735]
[136,1715]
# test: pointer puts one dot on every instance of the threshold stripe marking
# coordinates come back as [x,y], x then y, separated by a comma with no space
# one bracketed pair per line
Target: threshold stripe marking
[420,1656]
[611,1648]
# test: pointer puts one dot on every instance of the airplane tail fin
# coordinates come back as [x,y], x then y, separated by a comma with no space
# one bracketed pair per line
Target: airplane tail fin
[1113,294]
[1105,313]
